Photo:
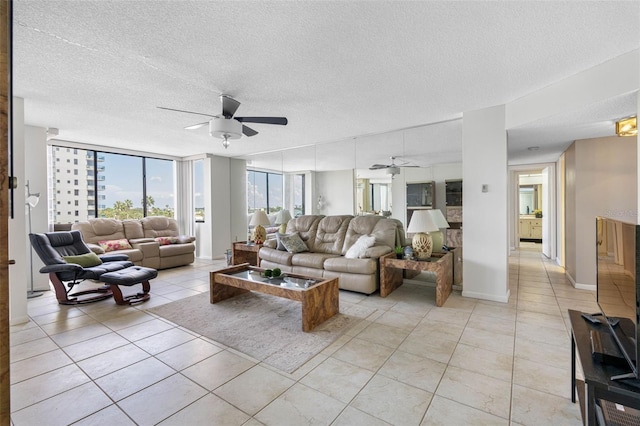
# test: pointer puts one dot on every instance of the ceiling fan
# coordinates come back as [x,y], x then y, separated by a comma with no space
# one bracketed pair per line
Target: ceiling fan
[393,168]
[225,126]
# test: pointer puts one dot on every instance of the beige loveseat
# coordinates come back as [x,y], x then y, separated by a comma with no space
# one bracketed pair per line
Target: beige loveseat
[155,241]
[328,239]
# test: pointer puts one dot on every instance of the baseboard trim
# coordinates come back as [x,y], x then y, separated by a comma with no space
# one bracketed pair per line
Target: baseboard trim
[579,286]
[485,296]
[19,320]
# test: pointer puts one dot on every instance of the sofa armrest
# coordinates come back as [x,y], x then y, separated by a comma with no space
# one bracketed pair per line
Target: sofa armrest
[95,248]
[271,243]
[148,248]
[185,239]
[61,267]
[112,257]
[377,251]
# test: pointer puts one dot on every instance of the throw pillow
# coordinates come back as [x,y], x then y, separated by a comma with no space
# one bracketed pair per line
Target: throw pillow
[359,248]
[86,260]
[279,235]
[112,245]
[293,243]
[163,241]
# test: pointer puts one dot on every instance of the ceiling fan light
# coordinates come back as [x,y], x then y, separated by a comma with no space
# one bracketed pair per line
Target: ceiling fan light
[393,171]
[225,128]
[225,142]
[627,126]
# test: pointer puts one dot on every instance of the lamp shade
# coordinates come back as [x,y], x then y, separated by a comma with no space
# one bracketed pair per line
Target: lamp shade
[283,217]
[259,217]
[421,221]
[438,218]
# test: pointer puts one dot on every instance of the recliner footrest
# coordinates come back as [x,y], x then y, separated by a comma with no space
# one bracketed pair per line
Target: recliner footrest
[128,277]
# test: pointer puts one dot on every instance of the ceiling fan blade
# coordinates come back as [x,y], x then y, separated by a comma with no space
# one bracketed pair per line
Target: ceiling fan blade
[196,126]
[188,112]
[229,106]
[264,120]
[378,166]
[406,165]
[248,131]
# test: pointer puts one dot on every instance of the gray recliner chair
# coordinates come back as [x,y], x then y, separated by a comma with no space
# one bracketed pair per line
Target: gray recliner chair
[54,247]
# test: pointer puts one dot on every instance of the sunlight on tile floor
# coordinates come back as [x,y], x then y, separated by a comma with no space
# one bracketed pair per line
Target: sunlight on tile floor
[409,363]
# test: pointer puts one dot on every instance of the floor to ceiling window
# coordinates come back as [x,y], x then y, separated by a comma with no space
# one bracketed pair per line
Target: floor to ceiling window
[264,191]
[88,184]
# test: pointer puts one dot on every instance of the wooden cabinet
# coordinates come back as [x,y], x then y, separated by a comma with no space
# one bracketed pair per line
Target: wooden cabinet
[246,253]
[453,195]
[530,229]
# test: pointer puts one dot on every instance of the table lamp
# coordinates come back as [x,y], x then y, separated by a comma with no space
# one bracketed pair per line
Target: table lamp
[420,224]
[259,220]
[438,236]
[282,219]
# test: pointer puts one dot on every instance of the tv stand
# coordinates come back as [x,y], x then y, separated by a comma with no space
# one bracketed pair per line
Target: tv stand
[598,383]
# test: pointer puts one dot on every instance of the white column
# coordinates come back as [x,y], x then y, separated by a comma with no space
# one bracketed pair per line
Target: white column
[485,185]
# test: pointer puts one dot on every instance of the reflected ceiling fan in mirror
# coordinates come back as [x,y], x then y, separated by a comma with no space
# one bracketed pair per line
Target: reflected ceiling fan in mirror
[393,168]
[225,126]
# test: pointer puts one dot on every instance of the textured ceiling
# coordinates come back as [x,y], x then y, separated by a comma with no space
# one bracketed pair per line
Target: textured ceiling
[97,70]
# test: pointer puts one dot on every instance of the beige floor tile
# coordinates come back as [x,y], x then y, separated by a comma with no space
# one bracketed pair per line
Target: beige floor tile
[300,405]
[80,334]
[337,379]
[27,335]
[495,342]
[46,385]
[188,354]
[131,379]
[95,346]
[363,354]
[61,315]
[164,288]
[543,308]
[354,417]
[434,347]
[542,377]
[449,315]
[493,310]
[165,340]
[552,355]
[217,369]
[144,330]
[538,319]
[262,384]
[113,360]
[63,409]
[533,408]
[174,393]
[431,328]
[445,412]
[207,410]
[34,366]
[69,324]
[476,390]
[492,324]
[414,370]
[130,319]
[110,416]
[407,407]
[399,320]
[412,307]
[384,334]
[538,298]
[32,348]
[543,334]
[483,361]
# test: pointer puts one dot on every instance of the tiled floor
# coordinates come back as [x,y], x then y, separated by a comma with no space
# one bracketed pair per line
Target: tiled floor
[410,363]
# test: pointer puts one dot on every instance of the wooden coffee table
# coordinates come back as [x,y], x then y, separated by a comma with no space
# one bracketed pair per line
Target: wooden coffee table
[320,300]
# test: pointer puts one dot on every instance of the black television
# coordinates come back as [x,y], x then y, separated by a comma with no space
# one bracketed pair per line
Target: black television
[618,286]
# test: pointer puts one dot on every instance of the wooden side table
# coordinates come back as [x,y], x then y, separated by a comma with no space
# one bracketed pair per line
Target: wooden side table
[246,253]
[391,274]
[457,263]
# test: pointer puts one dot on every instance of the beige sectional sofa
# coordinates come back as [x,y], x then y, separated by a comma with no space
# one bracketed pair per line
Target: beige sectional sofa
[328,239]
[154,242]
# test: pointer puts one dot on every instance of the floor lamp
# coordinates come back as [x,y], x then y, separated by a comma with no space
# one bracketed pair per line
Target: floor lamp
[31,202]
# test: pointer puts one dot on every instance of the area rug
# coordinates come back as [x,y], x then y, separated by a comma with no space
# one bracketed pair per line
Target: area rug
[264,327]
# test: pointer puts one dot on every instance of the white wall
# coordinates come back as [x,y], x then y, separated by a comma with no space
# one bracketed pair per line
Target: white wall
[484,146]
[238,200]
[18,272]
[603,183]
[337,189]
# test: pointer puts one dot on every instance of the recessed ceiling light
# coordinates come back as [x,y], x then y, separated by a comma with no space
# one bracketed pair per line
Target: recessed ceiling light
[533,148]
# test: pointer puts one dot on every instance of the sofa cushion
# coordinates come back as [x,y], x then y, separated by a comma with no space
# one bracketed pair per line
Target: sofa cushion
[353,266]
[85,260]
[113,245]
[359,249]
[279,245]
[276,256]
[383,229]
[306,226]
[311,260]
[100,229]
[293,243]
[163,241]
[330,235]
[159,226]
[133,229]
